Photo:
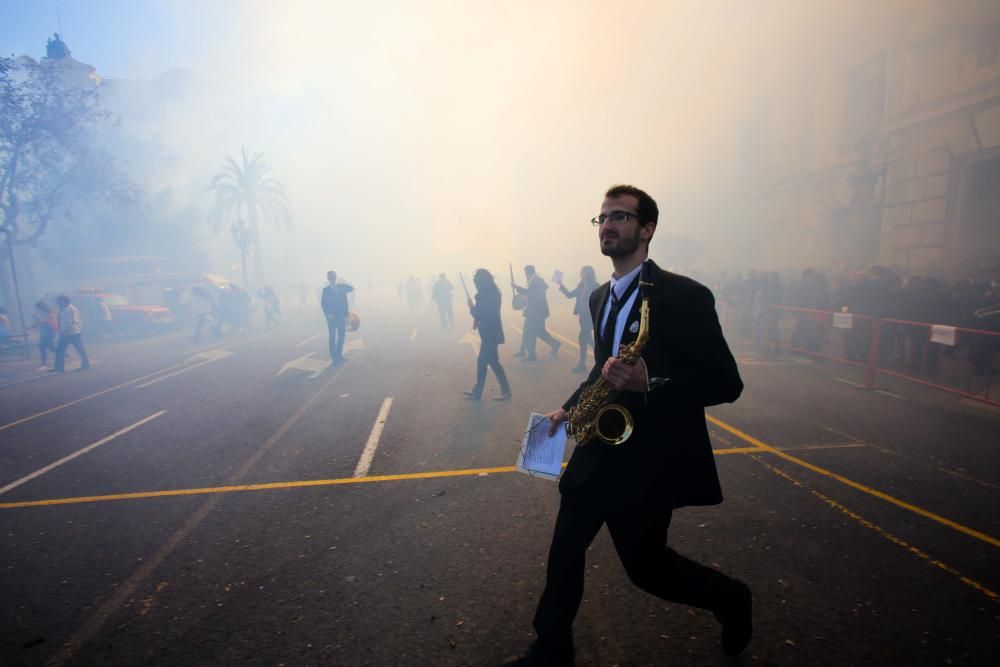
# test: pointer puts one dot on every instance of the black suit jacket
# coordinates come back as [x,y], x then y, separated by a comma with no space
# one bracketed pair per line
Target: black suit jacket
[668,460]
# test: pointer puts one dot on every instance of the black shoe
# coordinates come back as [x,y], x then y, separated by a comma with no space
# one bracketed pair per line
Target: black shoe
[737,619]
[471,395]
[503,397]
[537,657]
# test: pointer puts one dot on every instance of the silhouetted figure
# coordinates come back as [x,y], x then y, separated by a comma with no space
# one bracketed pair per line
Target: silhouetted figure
[203,309]
[334,303]
[536,311]
[582,292]
[486,313]
[442,294]
[272,306]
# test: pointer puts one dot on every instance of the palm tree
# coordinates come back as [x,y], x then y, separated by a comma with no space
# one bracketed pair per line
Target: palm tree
[247,188]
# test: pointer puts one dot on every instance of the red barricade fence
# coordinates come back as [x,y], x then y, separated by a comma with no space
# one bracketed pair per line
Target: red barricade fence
[954,359]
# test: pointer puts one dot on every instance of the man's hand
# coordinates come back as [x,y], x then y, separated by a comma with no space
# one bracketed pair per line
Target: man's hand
[626,377]
[555,419]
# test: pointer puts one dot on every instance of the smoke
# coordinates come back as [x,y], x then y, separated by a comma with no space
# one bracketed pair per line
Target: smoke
[442,136]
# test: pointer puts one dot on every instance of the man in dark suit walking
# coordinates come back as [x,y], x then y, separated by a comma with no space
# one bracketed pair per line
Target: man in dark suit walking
[334,302]
[667,463]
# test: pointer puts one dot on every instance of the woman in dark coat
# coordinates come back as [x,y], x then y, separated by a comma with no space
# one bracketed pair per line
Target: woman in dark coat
[588,283]
[486,312]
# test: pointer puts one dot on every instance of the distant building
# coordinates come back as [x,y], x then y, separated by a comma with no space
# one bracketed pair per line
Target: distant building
[73,72]
[878,144]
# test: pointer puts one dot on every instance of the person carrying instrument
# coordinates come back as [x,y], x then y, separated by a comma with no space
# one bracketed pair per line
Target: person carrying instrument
[536,311]
[660,354]
[486,315]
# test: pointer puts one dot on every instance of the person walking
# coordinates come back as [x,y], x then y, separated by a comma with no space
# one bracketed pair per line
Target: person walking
[582,292]
[272,306]
[486,313]
[536,311]
[666,464]
[70,330]
[334,303]
[47,326]
[442,293]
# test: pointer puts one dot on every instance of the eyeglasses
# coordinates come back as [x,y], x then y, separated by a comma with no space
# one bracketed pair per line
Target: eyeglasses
[615,218]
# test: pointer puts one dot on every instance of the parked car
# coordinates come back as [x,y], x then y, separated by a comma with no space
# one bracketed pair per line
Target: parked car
[127,319]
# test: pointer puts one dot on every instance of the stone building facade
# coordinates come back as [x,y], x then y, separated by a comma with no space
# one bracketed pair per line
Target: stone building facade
[880,144]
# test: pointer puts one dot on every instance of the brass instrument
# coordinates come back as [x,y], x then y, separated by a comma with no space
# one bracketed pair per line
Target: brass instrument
[596,415]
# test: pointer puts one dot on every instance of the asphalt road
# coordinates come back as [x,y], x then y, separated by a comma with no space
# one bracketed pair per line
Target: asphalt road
[207,503]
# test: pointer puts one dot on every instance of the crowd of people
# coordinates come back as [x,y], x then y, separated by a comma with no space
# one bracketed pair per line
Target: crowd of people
[877,293]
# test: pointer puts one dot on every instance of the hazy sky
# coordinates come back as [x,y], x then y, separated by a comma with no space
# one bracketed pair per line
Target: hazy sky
[453,132]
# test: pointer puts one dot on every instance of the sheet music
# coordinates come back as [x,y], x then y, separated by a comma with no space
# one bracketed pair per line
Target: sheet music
[540,454]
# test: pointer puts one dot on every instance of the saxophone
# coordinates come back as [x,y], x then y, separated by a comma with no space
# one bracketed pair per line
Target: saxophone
[596,415]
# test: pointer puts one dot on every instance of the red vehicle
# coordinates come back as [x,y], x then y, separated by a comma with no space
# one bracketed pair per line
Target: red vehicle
[126,319]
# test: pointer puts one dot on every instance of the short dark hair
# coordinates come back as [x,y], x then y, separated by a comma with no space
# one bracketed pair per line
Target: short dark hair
[62,298]
[648,211]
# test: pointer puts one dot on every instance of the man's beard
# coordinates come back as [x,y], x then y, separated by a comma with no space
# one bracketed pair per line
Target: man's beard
[625,246]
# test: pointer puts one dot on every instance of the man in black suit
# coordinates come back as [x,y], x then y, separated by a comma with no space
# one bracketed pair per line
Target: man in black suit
[667,463]
[334,302]
[535,313]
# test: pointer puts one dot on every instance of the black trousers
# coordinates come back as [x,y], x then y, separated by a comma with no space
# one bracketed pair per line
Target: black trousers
[534,328]
[489,356]
[337,326]
[640,539]
[586,337]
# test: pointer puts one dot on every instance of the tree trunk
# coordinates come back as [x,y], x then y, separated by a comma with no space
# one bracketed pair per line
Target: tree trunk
[258,261]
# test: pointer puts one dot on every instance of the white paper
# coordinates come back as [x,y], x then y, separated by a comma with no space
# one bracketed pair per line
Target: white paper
[541,455]
[557,277]
[843,320]
[943,334]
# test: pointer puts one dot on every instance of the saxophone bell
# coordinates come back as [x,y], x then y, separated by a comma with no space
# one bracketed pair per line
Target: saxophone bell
[613,424]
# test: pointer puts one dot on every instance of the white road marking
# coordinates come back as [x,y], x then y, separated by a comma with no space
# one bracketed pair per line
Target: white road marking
[889,393]
[413,334]
[472,340]
[354,344]
[65,459]
[850,382]
[206,357]
[365,462]
[306,363]
[307,340]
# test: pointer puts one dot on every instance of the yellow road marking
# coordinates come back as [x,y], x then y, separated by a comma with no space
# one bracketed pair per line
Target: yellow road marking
[434,474]
[855,485]
[887,535]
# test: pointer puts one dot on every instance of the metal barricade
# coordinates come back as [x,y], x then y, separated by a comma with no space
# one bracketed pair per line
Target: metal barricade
[15,346]
[957,360]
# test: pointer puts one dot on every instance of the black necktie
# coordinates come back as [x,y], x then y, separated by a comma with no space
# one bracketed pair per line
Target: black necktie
[608,335]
